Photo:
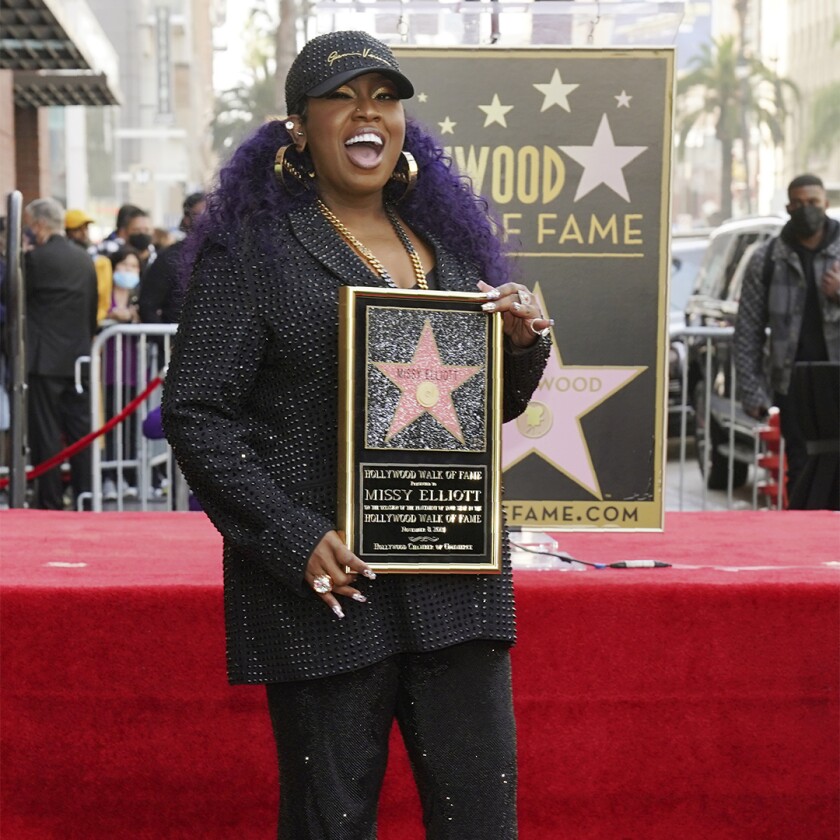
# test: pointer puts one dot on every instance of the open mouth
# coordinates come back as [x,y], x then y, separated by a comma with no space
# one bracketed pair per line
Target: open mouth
[365,149]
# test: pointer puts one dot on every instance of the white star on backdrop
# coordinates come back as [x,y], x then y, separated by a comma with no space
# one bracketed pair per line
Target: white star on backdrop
[623,99]
[495,112]
[603,162]
[422,97]
[556,93]
[447,126]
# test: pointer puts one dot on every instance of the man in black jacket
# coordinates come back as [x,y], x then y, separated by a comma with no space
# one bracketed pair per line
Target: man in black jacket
[160,291]
[61,320]
[792,286]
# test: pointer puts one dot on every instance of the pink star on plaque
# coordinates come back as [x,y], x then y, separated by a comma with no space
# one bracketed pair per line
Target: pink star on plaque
[550,426]
[426,385]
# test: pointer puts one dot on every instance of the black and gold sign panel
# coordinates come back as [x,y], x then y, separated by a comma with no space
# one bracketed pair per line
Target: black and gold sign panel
[572,147]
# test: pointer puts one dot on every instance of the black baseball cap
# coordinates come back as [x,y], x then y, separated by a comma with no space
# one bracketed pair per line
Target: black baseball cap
[328,61]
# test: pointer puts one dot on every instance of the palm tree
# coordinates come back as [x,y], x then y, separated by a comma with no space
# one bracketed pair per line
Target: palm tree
[825,120]
[825,114]
[736,90]
[238,111]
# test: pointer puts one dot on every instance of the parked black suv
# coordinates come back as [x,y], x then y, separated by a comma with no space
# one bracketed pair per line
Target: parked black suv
[714,303]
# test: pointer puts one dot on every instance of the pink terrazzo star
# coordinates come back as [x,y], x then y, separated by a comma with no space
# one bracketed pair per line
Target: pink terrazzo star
[426,385]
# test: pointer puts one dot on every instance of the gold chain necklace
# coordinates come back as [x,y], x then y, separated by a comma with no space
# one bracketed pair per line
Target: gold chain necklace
[368,255]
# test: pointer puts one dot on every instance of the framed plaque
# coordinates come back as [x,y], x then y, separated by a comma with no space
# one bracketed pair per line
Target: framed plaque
[420,414]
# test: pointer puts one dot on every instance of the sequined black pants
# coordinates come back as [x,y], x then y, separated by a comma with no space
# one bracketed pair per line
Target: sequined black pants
[455,712]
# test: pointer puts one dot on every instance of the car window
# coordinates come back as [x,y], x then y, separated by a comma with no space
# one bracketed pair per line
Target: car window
[734,292]
[712,275]
[742,242]
[686,259]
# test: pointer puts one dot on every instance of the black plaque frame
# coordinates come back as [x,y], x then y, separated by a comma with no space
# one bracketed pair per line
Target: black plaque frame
[427,497]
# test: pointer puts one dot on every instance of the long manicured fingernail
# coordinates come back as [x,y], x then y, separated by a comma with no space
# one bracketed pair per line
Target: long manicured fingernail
[359,597]
[516,307]
[551,322]
[369,574]
[488,307]
[493,294]
[338,611]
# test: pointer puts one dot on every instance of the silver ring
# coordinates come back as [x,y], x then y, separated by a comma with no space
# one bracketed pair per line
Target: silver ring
[322,584]
[524,298]
[538,333]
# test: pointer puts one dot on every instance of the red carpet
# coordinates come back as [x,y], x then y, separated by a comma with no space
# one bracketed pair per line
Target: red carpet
[652,704]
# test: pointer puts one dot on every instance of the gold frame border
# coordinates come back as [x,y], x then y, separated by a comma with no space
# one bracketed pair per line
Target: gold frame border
[347,388]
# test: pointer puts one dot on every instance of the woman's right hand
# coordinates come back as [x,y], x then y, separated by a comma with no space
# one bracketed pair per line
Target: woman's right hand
[330,558]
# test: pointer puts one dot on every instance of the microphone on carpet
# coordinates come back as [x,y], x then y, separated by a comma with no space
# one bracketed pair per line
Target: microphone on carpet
[621,564]
[639,564]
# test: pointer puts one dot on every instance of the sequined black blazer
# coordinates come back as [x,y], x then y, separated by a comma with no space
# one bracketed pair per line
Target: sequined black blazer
[250,407]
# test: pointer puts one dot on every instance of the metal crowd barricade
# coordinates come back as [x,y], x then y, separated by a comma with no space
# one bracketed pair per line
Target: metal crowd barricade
[15,301]
[132,457]
[738,427]
[124,355]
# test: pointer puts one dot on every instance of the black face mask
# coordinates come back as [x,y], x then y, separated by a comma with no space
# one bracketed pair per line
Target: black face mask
[807,220]
[140,241]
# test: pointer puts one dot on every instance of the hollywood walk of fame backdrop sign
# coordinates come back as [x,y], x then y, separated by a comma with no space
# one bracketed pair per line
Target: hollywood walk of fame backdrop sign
[572,147]
[420,430]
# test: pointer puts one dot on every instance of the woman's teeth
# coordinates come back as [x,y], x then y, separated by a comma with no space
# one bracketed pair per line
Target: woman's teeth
[365,138]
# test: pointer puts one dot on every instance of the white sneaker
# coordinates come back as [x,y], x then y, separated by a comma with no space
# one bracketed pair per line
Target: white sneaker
[109,490]
[129,491]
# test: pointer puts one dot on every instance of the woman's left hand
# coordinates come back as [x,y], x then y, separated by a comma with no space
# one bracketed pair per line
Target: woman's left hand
[523,320]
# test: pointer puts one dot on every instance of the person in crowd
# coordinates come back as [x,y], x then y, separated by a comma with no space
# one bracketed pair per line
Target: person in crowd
[162,239]
[77,228]
[306,205]
[121,384]
[134,228]
[61,298]
[126,266]
[119,224]
[160,295]
[792,286]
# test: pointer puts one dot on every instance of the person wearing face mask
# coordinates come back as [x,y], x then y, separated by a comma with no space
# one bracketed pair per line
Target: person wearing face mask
[61,298]
[134,228]
[140,238]
[120,386]
[792,286]
[126,269]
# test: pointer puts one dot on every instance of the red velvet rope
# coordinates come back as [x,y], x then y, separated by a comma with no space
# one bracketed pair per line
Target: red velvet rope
[81,443]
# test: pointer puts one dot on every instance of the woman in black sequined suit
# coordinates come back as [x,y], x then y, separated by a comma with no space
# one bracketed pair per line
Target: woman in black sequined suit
[250,408]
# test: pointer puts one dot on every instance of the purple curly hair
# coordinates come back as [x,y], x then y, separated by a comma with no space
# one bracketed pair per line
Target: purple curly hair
[248,199]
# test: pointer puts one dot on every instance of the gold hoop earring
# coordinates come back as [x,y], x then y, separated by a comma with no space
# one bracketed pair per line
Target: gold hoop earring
[406,173]
[282,165]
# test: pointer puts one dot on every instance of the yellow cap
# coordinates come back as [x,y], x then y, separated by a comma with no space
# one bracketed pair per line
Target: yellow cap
[75,219]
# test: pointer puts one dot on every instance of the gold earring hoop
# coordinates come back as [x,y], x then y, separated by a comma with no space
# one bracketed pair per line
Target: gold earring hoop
[406,173]
[282,165]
